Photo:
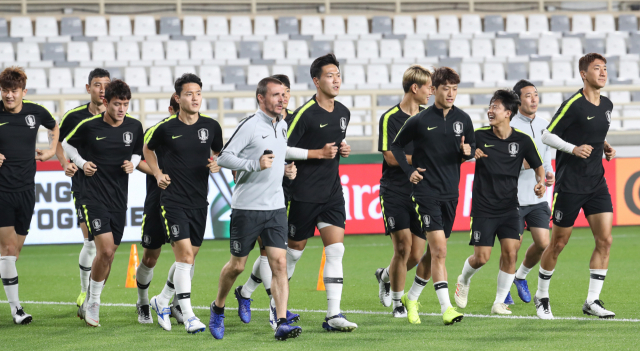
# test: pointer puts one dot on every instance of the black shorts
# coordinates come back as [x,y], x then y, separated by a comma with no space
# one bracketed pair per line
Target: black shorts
[398,213]
[304,216]
[78,207]
[534,216]
[154,235]
[435,214]
[566,206]
[247,225]
[100,221]
[184,223]
[485,229]
[16,210]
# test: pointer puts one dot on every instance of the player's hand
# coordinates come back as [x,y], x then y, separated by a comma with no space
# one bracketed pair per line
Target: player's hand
[345,149]
[163,180]
[89,168]
[416,176]
[609,151]
[213,165]
[550,178]
[44,155]
[479,154]
[329,151]
[540,189]
[127,166]
[290,171]
[266,161]
[583,151]
[525,164]
[70,170]
[2,158]
[465,148]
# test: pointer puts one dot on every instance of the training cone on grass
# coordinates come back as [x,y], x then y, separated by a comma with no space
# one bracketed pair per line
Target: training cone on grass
[320,286]
[133,266]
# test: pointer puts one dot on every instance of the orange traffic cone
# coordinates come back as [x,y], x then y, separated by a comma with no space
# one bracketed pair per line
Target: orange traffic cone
[133,266]
[320,286]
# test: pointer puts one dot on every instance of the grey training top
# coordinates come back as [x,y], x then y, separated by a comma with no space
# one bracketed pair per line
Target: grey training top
[256,189]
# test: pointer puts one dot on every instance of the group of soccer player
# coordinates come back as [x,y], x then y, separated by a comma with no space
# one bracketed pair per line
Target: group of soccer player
[286,170]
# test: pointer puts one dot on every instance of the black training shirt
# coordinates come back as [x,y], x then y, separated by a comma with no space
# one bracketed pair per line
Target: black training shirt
[18,135]
[436,148]
[152,199]
[107,147]
[580,122]
[68,123]
[495,184]
[186,150]
[311,128]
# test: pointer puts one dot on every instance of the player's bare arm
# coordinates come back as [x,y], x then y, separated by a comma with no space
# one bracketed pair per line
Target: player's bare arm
[44,155]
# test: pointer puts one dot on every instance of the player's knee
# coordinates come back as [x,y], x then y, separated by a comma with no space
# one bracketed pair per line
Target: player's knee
[334,250]
[149,261]
[236,268]
[105,255]
[604,243]
[11,250]
[403,250]
[482,259]
[541,244]
[557,246]
[413,260]
[510,256]
[439,252]
[279,265]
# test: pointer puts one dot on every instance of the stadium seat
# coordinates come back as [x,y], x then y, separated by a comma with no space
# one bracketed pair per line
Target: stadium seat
[152,50]
[46,26]
[463,100]
[551,98]
[561,70]
[397,71]
[119,26]
[201,50]
[193,25]
[470,72]
[319,48]
[505,47]
[60,77]
[344,49]
[595,45]
[28,52]
[244,104]
[377,74]
[539,23]
[437,48]
[413,48]
[581,24]
[95,26]
[80,75]
[37,78]
[210,74]
[628,70]
[471,24]
[160,77]
[128,51]
[284,69]
[620,97]
[255,73]
[71,26]
[526,47]
[482,99]
[539,71]
[560,23]
[177,49]
[21,27]
[264,25]
[288,25]
[493,72]
[273,50]
[516,71]
[605,23]
[303,75]
[180,70]
[4,29]
[628,23]
[516,23]
[6,52]
[144,25]
[135,76]
[548,46]
[241,25]
[53,52]
[571,47]
[390,48]
[616,46]
[103,51]
[334,25]
[310,25]
[170,26]
[481,48]
[458,48]
[448,24]
[426,24]
[353,74]
[234,75]
[297,49]
[248,50]
[632,119]
[493,23]
[381,24]
[226,50]
[634,44]
[357,24]
[403,24]
[367,49]
[217,25]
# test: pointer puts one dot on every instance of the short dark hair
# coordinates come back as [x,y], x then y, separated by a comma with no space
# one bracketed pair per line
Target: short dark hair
[284,79]
[184,79]
[509,100]
[262,86]
[585,61]
[13,77]
[117,89]
[174,104]
[98,73]
[316,66]
[444,75]
[522,83]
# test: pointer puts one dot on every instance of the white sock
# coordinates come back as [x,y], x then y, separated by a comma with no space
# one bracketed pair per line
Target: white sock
[254,280]
[292,258]
[504,284]
[416,288]
[168,289]
[333,277]
[385,275]
[396,296]
[442,291]
[468,272]
[95,290]
[544,279]
[87,254]
[265,273]
[522,272]
[595,284]
[9,275]
[144,275]
[182,281]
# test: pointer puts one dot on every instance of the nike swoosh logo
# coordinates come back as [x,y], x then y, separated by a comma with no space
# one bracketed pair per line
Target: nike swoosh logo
[485,145]
[264,136]
[590,118]
[99,138]
[324,125]
[429,128]
[175,137]
[1,124]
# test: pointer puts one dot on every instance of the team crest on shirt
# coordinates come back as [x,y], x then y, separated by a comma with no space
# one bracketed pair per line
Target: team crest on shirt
[608,115]
[427,220]
[203,135]
[343,123]
[127,137]
[457,128]
[31,121]
[292,230]
[97,224]
[513,149]
[175,230]
[392,222]
[476,236]
[237,246]
[558,216]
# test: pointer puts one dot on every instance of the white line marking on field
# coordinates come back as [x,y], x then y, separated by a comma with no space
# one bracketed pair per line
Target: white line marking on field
[633,320]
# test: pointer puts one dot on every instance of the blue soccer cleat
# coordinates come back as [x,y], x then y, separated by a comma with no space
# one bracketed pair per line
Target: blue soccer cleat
[523,289]
[244,306]
[216,324]
[292,317]
[338,323]
[509,300]
[287,331]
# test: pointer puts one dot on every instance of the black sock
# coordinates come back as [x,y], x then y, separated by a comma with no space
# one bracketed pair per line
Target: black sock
[218,310]
[281,320]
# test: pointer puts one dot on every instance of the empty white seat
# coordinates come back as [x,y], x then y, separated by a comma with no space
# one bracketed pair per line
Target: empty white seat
[344,49]
[192,25]
[128,51]
[78,51]
[241,25]
[310,25]
[367,49]
[481,48]
[403,24]
[248,104]
[505,47]
[628,69]
[255,73]
[80,76]
[459,48]
[377,74]
[471,24]
[539,70]
[119,25]
[561,70]
[616,46]
[37,78]
[448,24]
[605,23]
[225,50]
[180,70]
[470,72]
[548,46]
[516,23]
[353,74]
[620,97]
[152,50]
[413,48]
[283,69]
[426,24]
[357,25]
[136,77]
[571,47]
[273,50]
[551,98]
[297,49]
[538,23]
[21,27]
[632,119]
[210,74]
[28,52]
[144,25]
[390,48]
[217,25]
[60,77]
[6,52]
[581,23]
[397,71]
[160,77]
[264,25]
[493,72]
[201,50]
[334,25]
[103,51]
[95,26]
[177,50]
[46,26]
[463,100]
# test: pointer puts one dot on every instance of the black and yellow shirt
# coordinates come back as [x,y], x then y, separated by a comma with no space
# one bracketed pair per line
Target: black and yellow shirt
[152,199]
[68,123]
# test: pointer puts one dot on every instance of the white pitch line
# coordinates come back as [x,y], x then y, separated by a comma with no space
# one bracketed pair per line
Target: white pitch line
[632,320]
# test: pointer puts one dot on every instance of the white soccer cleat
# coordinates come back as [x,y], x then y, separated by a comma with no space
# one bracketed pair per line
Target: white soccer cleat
[399,312]
[176,312]
[383,289]
[163,313]
[462,293]
[92,314]
[20,317]
[338,323]
[273,321]
[543,308]
[596,308]
[193,325]
[500,308]
[144,315]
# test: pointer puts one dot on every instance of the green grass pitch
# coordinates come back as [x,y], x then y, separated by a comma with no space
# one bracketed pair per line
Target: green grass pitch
[50,274]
